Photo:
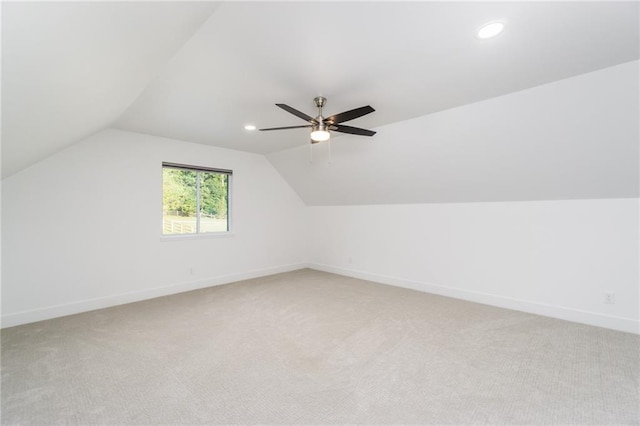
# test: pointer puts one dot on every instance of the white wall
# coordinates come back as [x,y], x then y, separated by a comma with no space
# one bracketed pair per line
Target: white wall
[555,258]
[527,201]
[577,138]
[81,229]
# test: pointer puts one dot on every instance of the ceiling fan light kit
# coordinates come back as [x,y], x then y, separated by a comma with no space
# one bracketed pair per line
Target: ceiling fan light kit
[321,126]
[319,133]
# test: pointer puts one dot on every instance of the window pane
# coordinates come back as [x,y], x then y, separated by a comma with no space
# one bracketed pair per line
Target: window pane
[213,202]
[179,201]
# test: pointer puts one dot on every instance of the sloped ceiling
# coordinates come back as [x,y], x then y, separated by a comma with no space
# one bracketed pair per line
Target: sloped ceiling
[70,69]
[576,138]
[200,71]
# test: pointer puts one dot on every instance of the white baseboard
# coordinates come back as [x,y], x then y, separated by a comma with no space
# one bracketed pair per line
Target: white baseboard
[56,311]
[574,315]
[584,317]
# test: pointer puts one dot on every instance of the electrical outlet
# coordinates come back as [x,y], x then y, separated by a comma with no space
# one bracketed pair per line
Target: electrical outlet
[610,298]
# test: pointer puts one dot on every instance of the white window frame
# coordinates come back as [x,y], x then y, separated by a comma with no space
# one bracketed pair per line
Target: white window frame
[198,234]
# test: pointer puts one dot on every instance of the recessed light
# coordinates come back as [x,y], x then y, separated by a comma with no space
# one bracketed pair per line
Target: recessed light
[490,29]
[250,127]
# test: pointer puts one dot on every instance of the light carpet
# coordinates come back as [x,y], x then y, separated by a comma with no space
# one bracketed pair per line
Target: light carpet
[308,347]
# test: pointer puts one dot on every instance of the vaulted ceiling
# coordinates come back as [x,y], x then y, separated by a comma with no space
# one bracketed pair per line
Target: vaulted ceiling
[200,71]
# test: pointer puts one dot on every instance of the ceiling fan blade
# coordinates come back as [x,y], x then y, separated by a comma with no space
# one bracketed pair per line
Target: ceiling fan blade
[297,113]
[349,115]
[288,127]
[352,130]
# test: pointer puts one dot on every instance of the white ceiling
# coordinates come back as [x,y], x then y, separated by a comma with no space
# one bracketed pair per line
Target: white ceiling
[576,138]
[200,71]
[70,69]
[406,59]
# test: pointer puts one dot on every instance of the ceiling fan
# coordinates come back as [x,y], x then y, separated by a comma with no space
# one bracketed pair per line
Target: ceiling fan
[320,125]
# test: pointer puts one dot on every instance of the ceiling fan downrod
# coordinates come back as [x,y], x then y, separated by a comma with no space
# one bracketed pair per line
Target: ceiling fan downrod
[320,101]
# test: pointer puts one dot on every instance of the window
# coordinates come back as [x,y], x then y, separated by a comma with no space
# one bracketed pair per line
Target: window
[195,200]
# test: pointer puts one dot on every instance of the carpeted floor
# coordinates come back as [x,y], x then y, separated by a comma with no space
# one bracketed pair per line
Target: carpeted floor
[308,347]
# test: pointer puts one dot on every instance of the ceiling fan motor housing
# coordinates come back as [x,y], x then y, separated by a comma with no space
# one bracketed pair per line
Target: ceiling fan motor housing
[320,101]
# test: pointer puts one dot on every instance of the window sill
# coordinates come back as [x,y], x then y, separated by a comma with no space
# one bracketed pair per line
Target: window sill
[208,235]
